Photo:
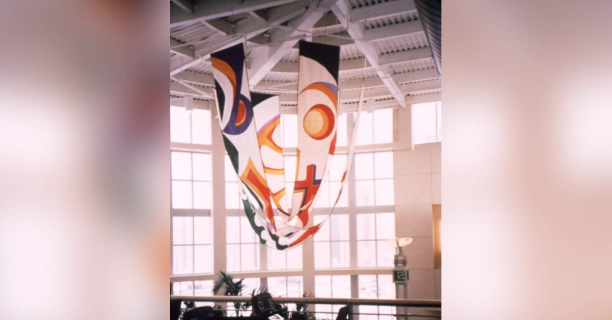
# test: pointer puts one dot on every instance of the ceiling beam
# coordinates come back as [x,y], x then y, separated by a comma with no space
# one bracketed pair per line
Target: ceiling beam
[212,9]
[264,58]
[221,26]
[377,93]
[342,11]
[382,10]
[392,31]
[187,90]
[185,5]
[186,51]
[369,83]
[177,66]
[354,64]
[276,16]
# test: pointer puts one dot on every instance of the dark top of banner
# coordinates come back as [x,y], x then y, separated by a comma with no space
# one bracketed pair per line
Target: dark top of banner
[328,56]
[257,98]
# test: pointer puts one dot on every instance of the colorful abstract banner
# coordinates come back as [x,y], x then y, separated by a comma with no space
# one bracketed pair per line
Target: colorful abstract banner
[250,125]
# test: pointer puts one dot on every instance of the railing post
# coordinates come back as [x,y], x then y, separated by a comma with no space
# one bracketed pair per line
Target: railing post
[350,311]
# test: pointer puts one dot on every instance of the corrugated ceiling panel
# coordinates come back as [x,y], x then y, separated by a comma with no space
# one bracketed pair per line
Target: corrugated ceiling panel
[403,43]
[390,20]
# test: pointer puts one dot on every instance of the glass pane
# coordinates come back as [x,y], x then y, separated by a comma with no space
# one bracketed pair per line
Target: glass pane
[364,166]
[341,286]
[186,288]
[278,286]
[277,260]
[322,200]
[386,252]
[337,166]
[203,230]
[383,126]
[232,197]
[232,228]
[366,226]
[249,285]
[386,287]
[294,258]
[364,131]
[366,254]
[182,259]
[233,257]
[181,165]
[247,234]
[340,255]
[295,287]
[383,164]
[367,287]
[333,194]
[385,225]
[249,257]
[182,230]
[201,166]
[368,312]
[230,174]
[364,193]
[202,195]
[179,125]
[203,288]
[341,131]
[322,255]
[203,259]
[323,287]
[181,195]
[339,227]
[201,126]
[323,233]
[384,192]
[289,123]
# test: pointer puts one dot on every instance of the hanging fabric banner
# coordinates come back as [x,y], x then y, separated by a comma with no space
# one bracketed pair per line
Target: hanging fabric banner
[250,124]
[237,120]
[317,109]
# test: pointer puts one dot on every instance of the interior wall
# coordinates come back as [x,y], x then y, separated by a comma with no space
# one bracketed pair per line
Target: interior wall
[417,189]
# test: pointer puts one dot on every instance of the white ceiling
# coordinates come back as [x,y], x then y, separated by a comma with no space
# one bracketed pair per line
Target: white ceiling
[381,41]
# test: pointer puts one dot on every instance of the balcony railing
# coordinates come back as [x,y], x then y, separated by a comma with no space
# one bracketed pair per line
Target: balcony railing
[405,309]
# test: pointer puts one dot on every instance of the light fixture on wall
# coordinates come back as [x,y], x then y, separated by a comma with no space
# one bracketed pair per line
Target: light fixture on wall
[399,243]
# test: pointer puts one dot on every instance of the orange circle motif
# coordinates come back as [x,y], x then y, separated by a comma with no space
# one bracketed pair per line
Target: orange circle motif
[319,122]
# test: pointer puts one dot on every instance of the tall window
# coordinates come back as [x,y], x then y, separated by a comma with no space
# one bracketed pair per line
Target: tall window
[426,122]
[331,287]
[286,286]
[332,242]
[189,126]
[232,186]
[192,245]
[191,288]
[376,287]
[242,245]
[191,223]
[331,185]
[289,259]
[372,231]
[374,179]
[375,127]
[191,180]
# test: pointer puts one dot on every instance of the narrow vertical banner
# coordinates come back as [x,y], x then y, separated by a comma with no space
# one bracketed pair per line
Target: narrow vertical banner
[267,122]
[317,105]
[240,137]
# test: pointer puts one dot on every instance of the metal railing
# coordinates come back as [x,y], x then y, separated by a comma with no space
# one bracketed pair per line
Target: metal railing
[406,309]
